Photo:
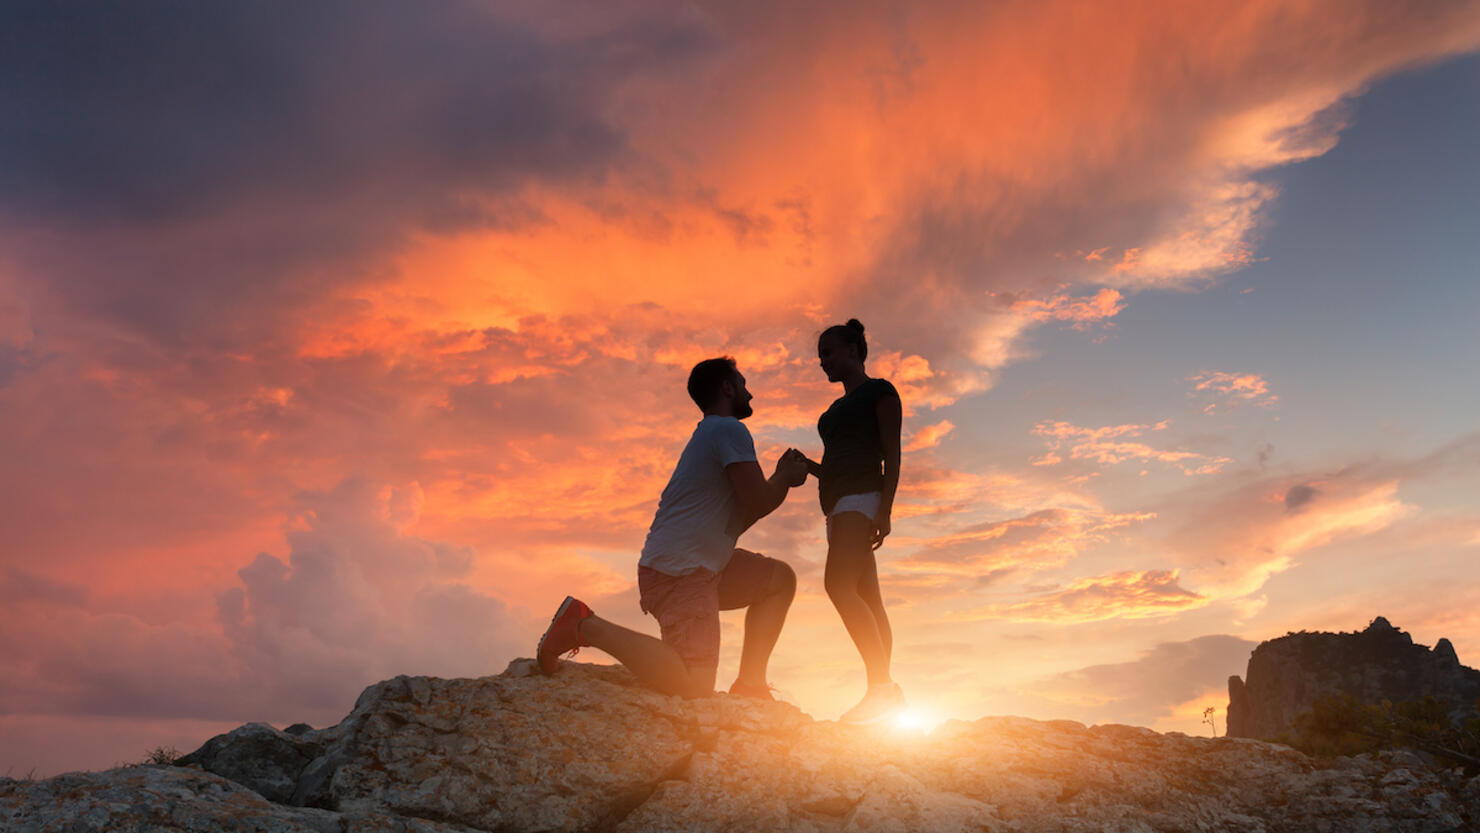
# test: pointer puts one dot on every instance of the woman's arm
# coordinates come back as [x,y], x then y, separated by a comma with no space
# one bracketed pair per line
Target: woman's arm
[891,417]
[814,468]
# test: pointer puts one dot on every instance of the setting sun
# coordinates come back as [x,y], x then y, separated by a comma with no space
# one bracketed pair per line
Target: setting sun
[914,720]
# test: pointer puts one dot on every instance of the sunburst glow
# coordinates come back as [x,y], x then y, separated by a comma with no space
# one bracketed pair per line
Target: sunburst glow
[914,721]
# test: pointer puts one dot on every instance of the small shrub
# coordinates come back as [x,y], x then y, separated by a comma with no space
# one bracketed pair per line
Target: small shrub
[1345,726]
[165,755]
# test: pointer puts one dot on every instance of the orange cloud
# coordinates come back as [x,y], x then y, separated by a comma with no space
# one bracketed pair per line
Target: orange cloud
[1257,530]
[929,436]
[354,599]
[842,171]
[1104,446]
[1232,390]
[1210,238]
[1040,540]
[1123,595]
[1081,312]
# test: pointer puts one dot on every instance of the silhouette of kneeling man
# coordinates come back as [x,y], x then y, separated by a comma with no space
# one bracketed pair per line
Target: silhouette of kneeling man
[690,569]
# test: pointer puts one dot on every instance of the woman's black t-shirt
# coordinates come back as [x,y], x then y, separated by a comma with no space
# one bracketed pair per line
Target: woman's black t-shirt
[852,456]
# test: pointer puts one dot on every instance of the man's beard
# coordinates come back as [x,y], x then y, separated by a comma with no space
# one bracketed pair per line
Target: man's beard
[742,409]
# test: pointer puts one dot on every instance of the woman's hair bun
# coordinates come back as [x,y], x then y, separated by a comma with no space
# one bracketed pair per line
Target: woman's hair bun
[850,333]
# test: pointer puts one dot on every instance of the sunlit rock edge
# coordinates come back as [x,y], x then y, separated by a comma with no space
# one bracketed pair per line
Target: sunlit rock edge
[589,750]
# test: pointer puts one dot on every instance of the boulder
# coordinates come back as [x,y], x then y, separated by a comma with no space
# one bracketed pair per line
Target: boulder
[259,757]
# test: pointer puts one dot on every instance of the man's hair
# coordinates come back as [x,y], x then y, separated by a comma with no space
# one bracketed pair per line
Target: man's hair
[707,377]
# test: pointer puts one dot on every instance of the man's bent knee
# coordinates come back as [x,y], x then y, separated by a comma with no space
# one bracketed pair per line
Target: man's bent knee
[783,580]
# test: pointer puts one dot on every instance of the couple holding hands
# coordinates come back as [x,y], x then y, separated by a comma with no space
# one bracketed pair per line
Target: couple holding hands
[690,568]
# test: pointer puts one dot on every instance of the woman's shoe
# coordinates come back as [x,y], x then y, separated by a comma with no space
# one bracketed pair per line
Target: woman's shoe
[759,692]
[878,703]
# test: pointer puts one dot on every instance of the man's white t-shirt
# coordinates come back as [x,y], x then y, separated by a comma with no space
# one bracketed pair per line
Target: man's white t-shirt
[695,525]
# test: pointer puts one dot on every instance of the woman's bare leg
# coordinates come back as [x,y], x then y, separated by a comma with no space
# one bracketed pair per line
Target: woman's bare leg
[849,557]
[868,589]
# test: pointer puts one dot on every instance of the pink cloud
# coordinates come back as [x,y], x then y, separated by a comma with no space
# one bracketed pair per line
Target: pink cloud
[1107,445]
[1258,529]
[1037,541]
[355,600]
[1122,595]
[929,436]
[1227,391]
[1079,312]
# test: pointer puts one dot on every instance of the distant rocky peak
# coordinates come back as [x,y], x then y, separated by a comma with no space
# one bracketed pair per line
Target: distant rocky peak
[1287,675]
[1444,651]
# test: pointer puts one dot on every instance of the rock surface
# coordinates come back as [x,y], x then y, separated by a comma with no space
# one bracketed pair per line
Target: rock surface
[588,750]
[156,799]
[1286,675]
[260,757]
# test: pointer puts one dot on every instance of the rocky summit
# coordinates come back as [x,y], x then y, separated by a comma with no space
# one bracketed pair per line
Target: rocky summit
[1287,675]
[589,750]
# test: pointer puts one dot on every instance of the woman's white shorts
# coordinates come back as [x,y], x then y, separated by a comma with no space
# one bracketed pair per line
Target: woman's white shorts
[866,504]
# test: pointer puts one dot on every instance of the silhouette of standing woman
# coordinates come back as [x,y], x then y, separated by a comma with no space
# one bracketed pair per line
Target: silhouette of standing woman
[857,479]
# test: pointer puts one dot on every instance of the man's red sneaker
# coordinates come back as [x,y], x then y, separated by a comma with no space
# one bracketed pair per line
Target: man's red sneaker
[563,636]
[759,692]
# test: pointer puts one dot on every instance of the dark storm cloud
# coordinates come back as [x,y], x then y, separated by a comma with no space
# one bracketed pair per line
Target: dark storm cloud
[15,361]
[160,109]
[1298,496]
[201,173]
[18,585]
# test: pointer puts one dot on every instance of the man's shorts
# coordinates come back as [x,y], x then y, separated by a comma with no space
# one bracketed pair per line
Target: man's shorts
[687,607]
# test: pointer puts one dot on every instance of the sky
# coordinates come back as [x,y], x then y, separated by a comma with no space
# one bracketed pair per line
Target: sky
[343,340]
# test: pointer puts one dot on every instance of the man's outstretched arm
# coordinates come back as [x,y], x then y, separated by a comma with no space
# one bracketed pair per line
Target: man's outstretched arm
[759,495]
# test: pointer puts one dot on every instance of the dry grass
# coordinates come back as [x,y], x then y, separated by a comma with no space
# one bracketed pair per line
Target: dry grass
[165,755]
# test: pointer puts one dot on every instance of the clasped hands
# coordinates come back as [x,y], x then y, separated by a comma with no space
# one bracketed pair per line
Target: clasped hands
[792,467]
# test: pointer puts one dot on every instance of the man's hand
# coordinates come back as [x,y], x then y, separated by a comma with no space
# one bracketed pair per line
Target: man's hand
[791,467]
[758,495]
